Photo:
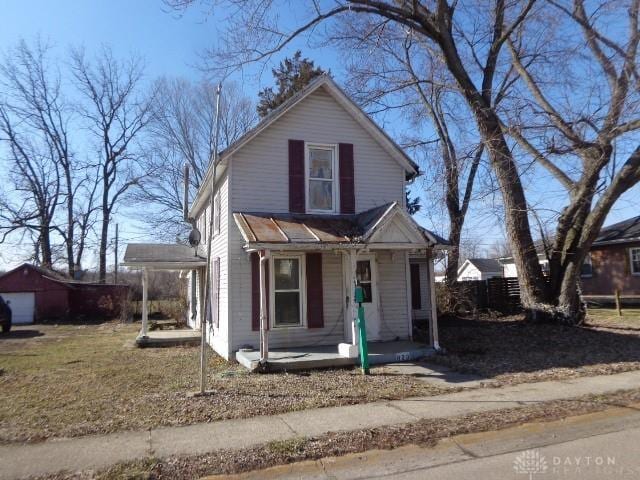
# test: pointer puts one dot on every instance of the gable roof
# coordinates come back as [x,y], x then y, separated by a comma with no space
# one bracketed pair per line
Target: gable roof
[323,81]
[484,265]
[621,232]
[45,272]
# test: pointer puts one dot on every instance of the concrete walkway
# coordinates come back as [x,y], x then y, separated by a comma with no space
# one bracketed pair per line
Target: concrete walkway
[98,451]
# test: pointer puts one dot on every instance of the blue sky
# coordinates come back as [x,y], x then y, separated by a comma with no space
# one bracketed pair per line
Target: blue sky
[171,42]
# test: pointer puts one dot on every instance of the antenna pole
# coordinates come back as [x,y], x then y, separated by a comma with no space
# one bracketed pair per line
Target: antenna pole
[208,281]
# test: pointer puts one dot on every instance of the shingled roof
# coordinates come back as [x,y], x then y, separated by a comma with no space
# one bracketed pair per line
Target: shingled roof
[161,255]
[621,232]
[486,265]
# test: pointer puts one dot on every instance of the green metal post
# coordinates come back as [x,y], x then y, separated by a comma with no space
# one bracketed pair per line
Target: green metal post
[362,329]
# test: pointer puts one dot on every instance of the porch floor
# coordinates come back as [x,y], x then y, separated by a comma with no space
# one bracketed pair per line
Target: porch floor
[169,338]
[306,358]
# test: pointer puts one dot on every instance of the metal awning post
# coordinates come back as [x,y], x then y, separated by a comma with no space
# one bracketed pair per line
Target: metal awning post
[353,257]
[434,308]
[145,311]
[264,319]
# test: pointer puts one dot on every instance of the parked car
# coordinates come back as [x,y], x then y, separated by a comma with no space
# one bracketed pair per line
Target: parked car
[5,316]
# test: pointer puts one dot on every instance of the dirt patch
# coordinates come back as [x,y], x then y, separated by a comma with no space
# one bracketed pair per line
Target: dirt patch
[423,433]
[69,381]
[509,350]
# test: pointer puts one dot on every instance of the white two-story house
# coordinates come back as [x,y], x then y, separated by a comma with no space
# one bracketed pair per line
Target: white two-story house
[308,204]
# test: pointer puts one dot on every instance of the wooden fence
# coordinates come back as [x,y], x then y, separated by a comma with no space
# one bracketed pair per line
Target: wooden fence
[500,294]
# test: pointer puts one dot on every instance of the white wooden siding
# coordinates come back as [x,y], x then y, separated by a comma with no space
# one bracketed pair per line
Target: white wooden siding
[392,282]
[260,179]
[244,336]
[218,338]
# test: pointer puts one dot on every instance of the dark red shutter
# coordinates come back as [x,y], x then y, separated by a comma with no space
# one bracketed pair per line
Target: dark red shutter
[296,176]
[347,187]
[255,290]
[315,303]
[416,299]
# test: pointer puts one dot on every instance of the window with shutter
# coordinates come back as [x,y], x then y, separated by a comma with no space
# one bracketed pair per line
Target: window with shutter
[287,299]
[321,175]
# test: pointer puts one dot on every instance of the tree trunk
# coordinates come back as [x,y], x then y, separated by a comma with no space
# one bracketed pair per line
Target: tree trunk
[102,254]
[45,246]
[453,255]
[533,291]
[70,225]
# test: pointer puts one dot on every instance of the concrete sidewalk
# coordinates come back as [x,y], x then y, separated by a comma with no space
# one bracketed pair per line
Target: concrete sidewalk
[98,451]
[592,446]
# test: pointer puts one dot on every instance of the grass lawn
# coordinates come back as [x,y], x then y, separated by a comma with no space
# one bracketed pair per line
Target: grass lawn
[509,350]
[608,318]
[73,380]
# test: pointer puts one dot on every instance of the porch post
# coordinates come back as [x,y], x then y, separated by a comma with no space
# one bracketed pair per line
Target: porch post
[353,257]
[145,313]
[264,331]
[434,310]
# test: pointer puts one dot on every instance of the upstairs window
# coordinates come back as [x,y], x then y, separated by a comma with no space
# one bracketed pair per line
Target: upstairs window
[321,168]
[634,257]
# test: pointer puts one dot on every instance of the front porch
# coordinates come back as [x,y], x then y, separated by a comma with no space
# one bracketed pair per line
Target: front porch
[169,338]
[306,358]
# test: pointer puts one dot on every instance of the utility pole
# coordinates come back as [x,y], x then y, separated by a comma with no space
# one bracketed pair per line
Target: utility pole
[115,269]
[208,309]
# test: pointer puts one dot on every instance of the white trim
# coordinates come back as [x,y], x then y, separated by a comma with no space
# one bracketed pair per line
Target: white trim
[217,207]
[335,175]
[631,250]
[302,289]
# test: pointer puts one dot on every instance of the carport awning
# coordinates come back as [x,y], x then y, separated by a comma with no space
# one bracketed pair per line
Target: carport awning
[160,256]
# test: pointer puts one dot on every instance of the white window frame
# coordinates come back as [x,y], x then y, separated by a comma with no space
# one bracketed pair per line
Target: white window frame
[302,288]
[217,202]
[588,260]
[631,250]
[335,174]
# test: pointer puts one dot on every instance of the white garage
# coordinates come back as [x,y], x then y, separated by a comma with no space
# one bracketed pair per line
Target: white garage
[23,305]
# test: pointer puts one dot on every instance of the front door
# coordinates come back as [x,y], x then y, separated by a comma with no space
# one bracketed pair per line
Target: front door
[366,277]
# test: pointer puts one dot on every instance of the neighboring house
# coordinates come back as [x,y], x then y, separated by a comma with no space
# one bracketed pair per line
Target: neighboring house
[612,264]
[509,269]
[309,202]
[36,293]
[614,261]
[479,269]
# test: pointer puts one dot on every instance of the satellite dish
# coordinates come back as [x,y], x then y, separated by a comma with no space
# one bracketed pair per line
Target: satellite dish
[194,237]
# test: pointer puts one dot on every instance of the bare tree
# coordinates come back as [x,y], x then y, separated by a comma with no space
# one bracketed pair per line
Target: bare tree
[390,71]
[35,100]
[473,42]
[36,188]
[183,131]
[116,111]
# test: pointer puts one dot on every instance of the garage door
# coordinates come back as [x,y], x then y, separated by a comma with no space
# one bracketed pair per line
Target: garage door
[22,306]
